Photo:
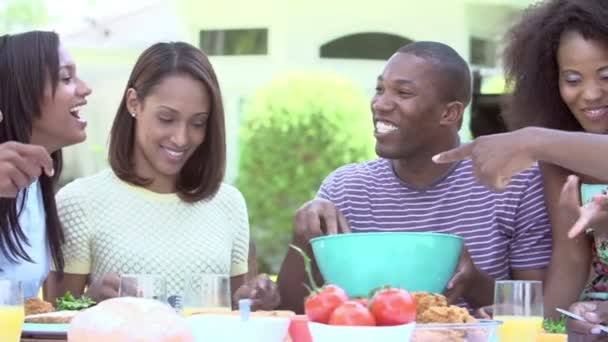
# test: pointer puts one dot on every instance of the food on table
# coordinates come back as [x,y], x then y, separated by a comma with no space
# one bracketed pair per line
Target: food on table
[362,301]
[36,305]
[555,326]
[321,302]
[69,302]
[352,313]
[446,314]
[393,306]
[40,311]
[433,308]
[425,300]
[56,317]
[452,332]
[126,319]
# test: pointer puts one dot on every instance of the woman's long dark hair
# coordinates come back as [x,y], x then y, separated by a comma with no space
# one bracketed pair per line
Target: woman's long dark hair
[203,173]
[27,62]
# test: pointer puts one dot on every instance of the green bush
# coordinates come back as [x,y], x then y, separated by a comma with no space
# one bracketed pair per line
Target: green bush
[296,130]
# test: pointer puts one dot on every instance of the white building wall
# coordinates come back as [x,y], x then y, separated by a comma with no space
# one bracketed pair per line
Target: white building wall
[296,31]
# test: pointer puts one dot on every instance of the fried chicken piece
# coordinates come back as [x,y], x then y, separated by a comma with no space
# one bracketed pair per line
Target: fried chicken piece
[445,314]
[425,300]
[35,306]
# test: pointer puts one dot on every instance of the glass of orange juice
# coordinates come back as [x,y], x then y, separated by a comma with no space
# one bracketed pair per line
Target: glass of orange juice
[12,312]
[519,305]
[207,293]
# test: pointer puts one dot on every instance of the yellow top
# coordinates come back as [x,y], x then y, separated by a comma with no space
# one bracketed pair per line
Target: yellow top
[112,226]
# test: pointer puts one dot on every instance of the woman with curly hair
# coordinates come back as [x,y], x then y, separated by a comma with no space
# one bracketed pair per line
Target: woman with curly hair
[556,58]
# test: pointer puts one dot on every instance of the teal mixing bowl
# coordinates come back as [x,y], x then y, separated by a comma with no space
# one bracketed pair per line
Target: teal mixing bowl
[361,262]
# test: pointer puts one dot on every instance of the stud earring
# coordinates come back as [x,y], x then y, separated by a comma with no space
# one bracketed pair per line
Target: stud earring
[132,114]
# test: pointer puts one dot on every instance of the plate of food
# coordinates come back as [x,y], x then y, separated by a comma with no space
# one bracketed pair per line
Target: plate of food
[438,321]
[42,319]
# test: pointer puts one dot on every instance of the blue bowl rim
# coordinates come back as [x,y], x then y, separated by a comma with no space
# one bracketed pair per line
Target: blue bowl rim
[326,237]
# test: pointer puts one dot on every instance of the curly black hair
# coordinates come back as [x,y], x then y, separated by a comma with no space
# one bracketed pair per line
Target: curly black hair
[530,59]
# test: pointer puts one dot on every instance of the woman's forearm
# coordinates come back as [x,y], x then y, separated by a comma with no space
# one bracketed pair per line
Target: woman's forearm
[577,151]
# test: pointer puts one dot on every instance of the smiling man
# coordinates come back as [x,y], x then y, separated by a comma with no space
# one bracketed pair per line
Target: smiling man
[417,112]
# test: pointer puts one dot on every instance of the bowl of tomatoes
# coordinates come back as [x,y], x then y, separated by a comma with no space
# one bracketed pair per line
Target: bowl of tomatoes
[329,333]
[361,262]
[389,315]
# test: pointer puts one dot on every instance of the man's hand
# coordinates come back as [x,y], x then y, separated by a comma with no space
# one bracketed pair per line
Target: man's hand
[262,291]
[104,288]
[466,274]
[593,214]
[496,158]
[594,313]
[20,165]
[317,218]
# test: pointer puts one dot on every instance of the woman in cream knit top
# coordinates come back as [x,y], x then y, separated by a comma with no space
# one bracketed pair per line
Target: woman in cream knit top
[114,227]
[163,208]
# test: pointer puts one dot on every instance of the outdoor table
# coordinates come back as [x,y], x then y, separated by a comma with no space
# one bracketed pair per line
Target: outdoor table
[42,339]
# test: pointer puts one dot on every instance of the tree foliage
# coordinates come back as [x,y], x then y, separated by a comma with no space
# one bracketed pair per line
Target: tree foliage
[297,130]
[22,15]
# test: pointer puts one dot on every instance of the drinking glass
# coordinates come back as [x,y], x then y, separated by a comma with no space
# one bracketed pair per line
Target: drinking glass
[519,305]
[207,292]
[12,311]
[143,286]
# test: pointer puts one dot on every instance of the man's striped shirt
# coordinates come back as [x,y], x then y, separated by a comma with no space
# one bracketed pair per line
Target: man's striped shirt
[503,231]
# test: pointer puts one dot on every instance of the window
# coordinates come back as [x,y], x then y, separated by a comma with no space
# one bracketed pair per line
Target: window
[483,52]
[367,45]
[234,42]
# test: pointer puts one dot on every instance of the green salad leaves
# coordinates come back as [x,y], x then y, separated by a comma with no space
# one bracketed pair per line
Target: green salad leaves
[71,303]
[555,326]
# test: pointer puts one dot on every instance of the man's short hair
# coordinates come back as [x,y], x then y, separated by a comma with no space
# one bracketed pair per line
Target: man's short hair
[451,70]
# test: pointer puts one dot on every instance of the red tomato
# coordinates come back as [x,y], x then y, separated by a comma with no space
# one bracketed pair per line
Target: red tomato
[352,313]
[393,306]
[320,305]
[362,301]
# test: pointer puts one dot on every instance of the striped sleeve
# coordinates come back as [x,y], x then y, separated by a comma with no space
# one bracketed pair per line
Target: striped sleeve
[333,187]
[325,189]
[530,247]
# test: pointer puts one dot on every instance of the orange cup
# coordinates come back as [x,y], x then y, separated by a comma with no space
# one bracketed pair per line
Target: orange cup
[298,329]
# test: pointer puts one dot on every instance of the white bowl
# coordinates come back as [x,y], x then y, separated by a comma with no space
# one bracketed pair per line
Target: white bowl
[332,333]
[209,327]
